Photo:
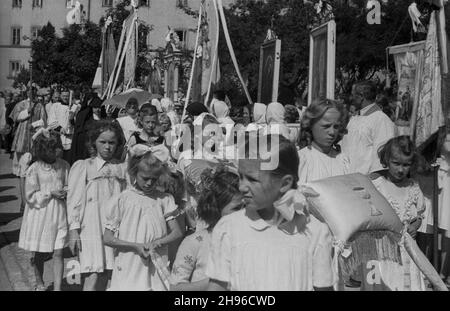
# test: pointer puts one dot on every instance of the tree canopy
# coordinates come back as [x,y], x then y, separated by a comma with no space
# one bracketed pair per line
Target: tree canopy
[69,60]
[360,46]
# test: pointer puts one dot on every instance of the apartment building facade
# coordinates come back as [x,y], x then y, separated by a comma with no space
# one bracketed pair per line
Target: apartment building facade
[20,21]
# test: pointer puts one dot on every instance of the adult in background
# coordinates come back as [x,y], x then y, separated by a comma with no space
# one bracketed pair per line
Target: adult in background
[291,116]
[128,122]
[218,96]
[368,131]
[275,121]
[83,123]
[61,118]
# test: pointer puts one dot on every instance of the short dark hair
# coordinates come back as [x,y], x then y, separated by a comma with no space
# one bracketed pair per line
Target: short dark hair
[132,103]
[292,114]
[288,160]
[98,127]
[147,110]
[367,89]
[217,191]
[220,95]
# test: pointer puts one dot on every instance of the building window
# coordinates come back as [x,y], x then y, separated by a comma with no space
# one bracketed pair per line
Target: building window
[69,4]
[14,68]
[15,35]
[144,3]
[17,3]
[182,3]
[37,3]
[107,3]
[35,32]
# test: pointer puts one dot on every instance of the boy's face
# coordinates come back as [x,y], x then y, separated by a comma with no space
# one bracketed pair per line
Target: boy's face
[132,111]
[258,187]
[65,97]
[149,123]
[179,109]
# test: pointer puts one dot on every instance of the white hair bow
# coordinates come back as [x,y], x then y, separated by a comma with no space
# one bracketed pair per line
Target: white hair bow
[291,203]
[159,151]
[42,131]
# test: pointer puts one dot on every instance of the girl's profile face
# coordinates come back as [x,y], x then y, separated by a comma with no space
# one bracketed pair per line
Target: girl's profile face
[259,188]
[149,123]
[147,176]
[106,145]
[399,166]
[326,130]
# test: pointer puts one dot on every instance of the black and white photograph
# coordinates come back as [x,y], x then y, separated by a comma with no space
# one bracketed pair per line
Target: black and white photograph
[203,146]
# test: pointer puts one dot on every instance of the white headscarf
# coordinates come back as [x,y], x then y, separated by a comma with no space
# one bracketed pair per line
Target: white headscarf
[220,109]
[157,104]
[275,113]
[259,113]
[166,104]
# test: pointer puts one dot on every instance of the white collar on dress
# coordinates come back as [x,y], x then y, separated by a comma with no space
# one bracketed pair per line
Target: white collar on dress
[296,225]
[99,163]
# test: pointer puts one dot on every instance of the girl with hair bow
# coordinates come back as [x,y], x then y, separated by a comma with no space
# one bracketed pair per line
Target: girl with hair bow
[141,222]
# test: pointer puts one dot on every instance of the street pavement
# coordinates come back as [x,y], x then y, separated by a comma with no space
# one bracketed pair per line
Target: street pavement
[16,273]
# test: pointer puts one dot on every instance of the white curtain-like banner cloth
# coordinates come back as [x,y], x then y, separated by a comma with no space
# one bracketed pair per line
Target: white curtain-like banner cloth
[429,110]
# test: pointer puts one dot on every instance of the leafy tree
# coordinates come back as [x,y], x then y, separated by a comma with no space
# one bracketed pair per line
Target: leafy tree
[70,60]
[360,47]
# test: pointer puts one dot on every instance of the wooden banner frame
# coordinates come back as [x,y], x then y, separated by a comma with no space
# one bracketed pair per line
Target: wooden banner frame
[329,30]
[273,47]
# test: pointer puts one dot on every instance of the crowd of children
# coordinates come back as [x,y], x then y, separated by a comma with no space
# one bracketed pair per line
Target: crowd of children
[124,209]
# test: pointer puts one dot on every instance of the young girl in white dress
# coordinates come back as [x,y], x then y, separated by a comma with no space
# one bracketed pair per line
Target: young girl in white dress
[138,221]
[273,243]
[219,196]
[322,126]
[91,183]
[403,193]
[44,224]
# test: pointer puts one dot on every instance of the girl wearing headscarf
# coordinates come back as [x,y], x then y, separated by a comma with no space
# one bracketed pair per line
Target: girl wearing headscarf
[259,118]
[221,111]
[275,120]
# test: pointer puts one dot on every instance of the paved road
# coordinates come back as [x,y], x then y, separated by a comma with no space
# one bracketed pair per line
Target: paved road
[16,272]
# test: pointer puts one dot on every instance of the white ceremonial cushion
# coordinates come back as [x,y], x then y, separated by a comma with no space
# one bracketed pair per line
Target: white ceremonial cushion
[350,203]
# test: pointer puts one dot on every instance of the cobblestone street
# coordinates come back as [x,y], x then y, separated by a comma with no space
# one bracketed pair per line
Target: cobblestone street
[16,273]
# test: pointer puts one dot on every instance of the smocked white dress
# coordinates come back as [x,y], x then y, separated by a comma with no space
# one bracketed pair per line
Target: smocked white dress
[407,208]
[92,183]
[315,165]
[44,224]
[137,218]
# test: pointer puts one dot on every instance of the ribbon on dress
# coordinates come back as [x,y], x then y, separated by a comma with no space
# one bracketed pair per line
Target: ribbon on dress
[291,203]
